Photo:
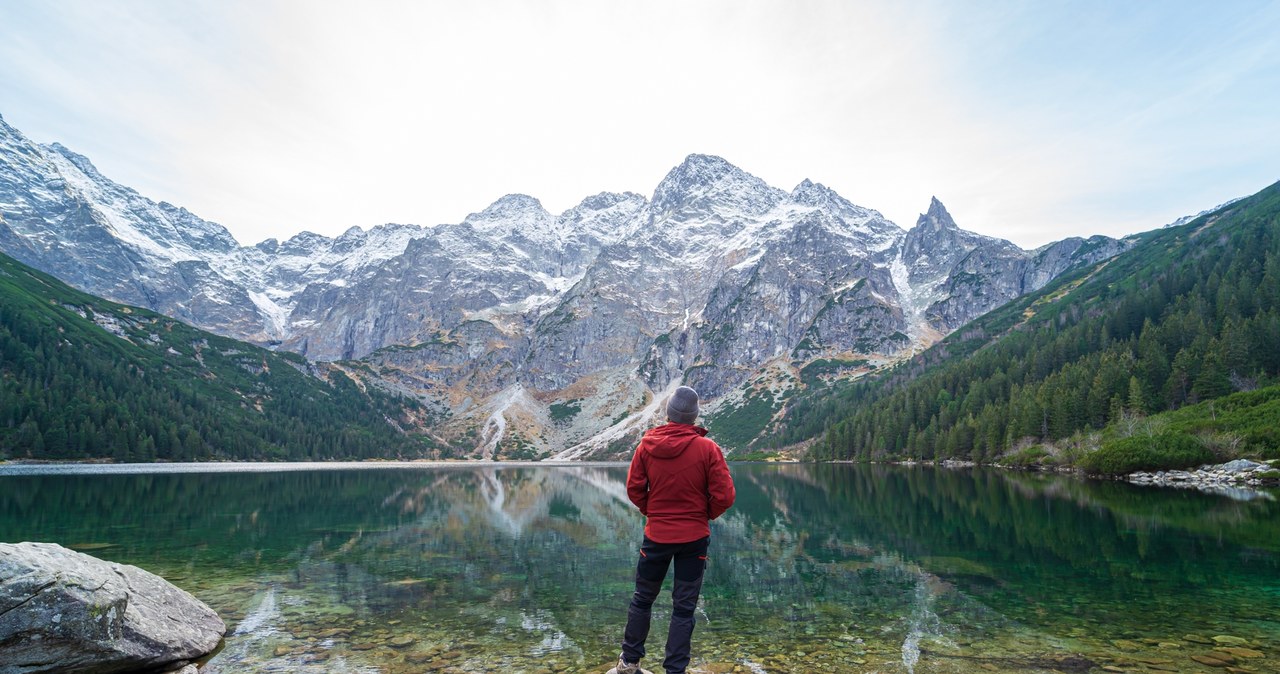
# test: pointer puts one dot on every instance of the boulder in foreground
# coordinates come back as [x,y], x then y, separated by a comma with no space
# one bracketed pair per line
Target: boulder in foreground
[63,611]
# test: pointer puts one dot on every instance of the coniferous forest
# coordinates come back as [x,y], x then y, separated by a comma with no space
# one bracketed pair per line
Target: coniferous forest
[81,377]
[1188,319]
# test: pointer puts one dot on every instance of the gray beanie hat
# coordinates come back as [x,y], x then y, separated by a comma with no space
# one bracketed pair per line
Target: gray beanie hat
[682,408]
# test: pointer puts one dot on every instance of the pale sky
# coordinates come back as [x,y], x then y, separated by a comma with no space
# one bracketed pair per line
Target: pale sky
[1032,120]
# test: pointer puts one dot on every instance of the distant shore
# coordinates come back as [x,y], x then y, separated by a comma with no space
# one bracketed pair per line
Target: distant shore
[1232,478]
[1236,479]
[98,467]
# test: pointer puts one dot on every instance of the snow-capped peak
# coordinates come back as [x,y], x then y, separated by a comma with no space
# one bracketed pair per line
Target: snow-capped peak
[603,200]
[353,233]
[703,177]
[159,231]
[809,193]
[705,168]
[1188,218]
[606,216]
[80,161]
[510,207]
[516,215]
[936,217]
[304,242]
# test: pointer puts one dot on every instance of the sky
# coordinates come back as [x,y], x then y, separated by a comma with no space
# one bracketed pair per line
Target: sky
[1030,120]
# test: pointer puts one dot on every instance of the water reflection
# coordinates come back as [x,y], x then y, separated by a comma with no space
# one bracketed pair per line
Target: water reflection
[817,568]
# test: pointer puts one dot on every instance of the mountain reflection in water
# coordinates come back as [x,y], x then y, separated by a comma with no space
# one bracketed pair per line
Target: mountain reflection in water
[817,568]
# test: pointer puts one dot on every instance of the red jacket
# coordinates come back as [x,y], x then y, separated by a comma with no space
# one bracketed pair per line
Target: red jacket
[679,481]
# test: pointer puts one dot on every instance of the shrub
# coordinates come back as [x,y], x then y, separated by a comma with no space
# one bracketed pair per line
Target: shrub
[737,427]
[1166,451]
[1225,446]
[1034,455]
[563,411]
[758,455]
[1070,450]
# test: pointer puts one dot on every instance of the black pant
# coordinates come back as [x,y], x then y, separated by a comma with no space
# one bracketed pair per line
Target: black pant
[690,562]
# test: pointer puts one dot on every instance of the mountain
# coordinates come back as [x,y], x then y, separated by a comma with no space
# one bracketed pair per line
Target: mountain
[82,377]
[951,276]
[58,213]
[528,333]
[1190,314]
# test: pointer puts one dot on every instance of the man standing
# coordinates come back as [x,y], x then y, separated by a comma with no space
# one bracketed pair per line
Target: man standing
[679,481]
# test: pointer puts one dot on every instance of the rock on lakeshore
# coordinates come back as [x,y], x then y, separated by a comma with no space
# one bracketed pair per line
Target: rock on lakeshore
[63,611]
[1233,479]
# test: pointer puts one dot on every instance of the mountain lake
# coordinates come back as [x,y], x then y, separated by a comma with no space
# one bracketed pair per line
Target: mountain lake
[817,568]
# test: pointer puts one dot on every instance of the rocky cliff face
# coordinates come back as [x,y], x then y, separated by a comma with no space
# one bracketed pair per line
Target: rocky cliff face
[533,333]
[500,266]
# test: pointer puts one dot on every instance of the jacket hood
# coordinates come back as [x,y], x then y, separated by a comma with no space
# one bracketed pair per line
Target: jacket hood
[670,440]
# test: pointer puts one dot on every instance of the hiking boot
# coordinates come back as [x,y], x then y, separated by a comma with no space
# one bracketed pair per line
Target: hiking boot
[625,667]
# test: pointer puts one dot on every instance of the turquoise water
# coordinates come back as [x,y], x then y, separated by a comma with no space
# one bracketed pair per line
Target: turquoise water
[818,568]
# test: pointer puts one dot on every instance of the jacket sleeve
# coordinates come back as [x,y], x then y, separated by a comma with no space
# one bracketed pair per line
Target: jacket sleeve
[638,483]
[719,484]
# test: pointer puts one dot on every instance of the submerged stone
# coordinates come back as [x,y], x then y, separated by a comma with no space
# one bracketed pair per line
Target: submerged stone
[1241,652]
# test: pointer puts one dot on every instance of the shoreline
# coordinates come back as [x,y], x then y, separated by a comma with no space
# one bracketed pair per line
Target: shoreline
[1240,479]
[45,467]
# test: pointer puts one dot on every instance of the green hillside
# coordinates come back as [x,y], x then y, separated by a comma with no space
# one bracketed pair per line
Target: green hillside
[1189,314]
[81,377]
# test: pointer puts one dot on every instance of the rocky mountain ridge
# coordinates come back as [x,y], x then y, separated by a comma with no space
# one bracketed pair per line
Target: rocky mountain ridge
[531,333]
